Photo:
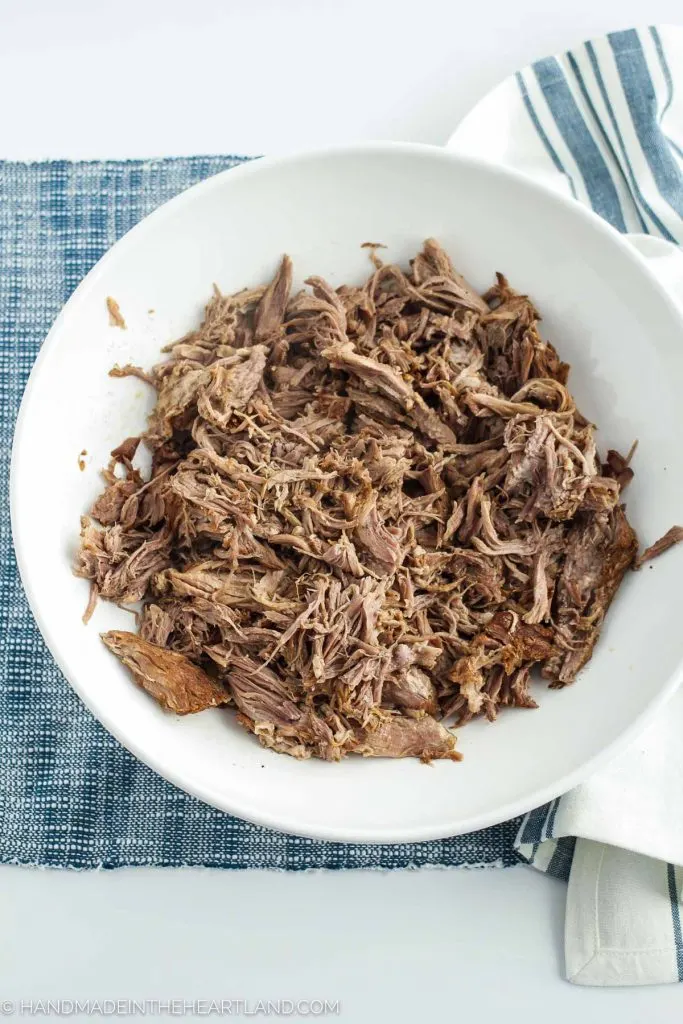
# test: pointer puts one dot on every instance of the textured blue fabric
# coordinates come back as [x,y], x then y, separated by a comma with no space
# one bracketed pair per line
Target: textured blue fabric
[70,795]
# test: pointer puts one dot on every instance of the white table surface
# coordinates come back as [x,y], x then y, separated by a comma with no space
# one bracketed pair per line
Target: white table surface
[84,78]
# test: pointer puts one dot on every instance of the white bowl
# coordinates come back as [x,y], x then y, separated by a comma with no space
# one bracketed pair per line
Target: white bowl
[601,307]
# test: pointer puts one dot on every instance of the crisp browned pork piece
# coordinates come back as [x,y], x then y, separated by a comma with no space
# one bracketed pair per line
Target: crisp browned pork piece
[409,737]
[170,678]
[372,510]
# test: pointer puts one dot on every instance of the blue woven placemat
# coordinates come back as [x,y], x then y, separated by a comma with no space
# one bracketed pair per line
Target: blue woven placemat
[70,795]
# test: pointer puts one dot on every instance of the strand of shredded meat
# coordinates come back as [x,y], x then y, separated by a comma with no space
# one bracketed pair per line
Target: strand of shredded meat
[371,510]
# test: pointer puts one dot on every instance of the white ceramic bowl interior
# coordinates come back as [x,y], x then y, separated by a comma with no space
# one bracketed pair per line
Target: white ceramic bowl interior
[601,308]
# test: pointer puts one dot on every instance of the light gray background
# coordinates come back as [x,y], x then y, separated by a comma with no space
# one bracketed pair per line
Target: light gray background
[85,78]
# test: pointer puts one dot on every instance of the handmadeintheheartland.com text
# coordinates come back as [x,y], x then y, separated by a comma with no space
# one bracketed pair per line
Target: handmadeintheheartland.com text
[153,1008]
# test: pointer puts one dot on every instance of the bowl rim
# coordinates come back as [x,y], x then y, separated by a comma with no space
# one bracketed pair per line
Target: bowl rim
[30,583]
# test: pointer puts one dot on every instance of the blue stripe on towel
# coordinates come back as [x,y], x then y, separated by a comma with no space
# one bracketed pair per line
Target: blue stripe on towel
[549,148]
[662,228]
[600,187]
[675,917]
[642,101]
[532,828]
[550,824]
[603,134]
[560,863]
[666,71]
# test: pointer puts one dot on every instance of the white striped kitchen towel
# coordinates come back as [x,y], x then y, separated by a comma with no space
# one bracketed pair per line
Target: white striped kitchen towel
[603,123]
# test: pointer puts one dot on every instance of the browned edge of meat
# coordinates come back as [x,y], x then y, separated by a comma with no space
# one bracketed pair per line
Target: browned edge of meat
[170,678]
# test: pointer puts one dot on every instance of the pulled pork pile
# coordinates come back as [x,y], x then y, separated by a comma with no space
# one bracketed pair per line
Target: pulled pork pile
[370,510]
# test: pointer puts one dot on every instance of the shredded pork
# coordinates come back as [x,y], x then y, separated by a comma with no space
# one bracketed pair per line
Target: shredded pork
[371,512]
